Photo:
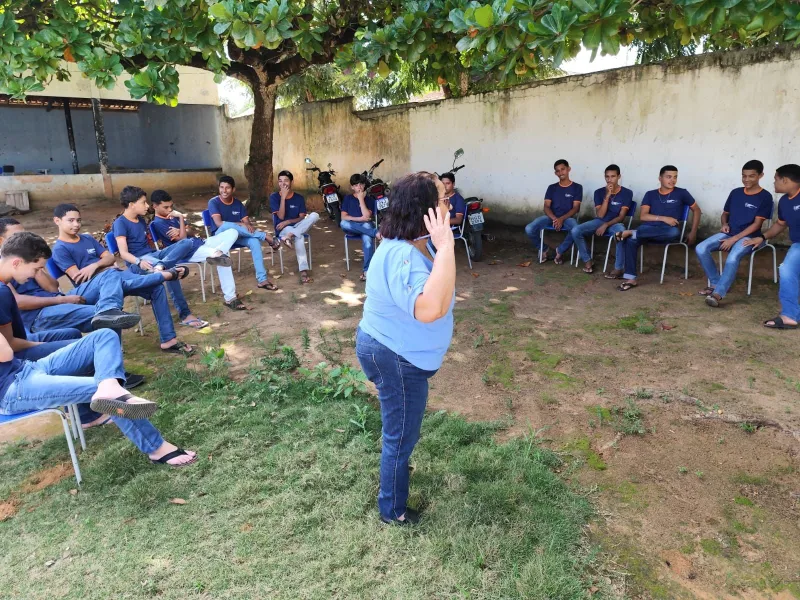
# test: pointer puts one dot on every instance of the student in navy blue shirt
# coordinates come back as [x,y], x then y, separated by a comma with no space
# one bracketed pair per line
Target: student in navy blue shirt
[662,210]
[357,218]
[744,213]
[136,249]
[228,213]
[292,221]
[562,201]
[787,182]
[611,204]
[458,206]
[92,269]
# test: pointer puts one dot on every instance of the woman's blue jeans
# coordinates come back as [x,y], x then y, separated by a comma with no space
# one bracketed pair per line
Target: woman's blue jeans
[403,394]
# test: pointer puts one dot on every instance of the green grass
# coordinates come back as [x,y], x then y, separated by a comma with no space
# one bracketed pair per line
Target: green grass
[282,504]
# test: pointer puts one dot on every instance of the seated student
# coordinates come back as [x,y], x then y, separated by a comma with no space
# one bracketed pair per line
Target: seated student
[357,211]
[228,213]
[60,378]
[92,270]
[44,309]
[291,220]
[130,231]
[611,205]
[787,182]
[661,212]
[562,201]
[745,211]
[458,206]
[170,227]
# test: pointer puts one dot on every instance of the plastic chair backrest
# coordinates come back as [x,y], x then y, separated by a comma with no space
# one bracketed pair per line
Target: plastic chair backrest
[53,270]
[683,219]
[154,234]
[111,243]
[632,212]
[208,222]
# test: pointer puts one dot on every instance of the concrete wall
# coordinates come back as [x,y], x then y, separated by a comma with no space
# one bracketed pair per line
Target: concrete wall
[154,137]
[707,114]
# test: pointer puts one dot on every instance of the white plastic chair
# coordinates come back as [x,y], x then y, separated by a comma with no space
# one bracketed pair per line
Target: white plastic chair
[201,267]
[680,242]
[753,254]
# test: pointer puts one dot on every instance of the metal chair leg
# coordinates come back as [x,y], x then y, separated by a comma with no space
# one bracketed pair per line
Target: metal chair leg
[202,270]
[310,265]
[466,247]
[750,274]
[541,244]
[774,264]
[346,253]
[139,312]
[280,257]
[686,262]
[78,426]
[641,258]
[72,454]
[608,253]
[664,262]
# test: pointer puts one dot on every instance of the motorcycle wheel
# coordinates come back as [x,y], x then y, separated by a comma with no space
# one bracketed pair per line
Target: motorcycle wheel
[475,246]
[335,212]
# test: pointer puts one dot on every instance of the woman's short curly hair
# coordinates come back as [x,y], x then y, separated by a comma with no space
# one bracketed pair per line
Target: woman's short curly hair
[409,200]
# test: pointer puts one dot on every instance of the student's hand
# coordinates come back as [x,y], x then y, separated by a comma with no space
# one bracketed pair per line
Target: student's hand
[669,221]
[609,190]
[558,223]
[280,226]
[176,215]
[145,265]
[284,192]
[173,233]
[691,238]
[601,231]
[250,227]
[753,241]
[360,195]
[73,300]
[725,228]
[86,273]
[726,245]
[438,225]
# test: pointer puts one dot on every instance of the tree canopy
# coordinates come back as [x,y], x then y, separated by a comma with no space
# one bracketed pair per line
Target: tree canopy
[266,42]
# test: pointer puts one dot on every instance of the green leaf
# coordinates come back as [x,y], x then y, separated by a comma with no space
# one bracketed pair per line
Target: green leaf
[220,12]
[695,15]
[464,44]
[491,45]
[383,69]
[484,16]
[585,6]
[592,36]
[512,39]
[718,20]
[756,24]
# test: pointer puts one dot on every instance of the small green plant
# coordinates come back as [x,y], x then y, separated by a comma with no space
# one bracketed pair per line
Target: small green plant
[274,344]
[743,501]
[601,391]
[286,361]
[631,422]
[642,394]
[721,441]
[214,359]
[306,340]
[751,382]
[478,341]
[360,420]
[748,427]
[699,474]
[683,470]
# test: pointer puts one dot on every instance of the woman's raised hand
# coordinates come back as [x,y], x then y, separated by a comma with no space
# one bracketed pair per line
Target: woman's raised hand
[438,225]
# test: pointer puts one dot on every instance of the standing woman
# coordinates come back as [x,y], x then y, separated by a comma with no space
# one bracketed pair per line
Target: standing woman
[407,325]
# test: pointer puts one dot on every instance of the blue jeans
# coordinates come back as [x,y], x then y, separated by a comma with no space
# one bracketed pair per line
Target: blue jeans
[51,341]
[142,286]
[580,232]
[647,233]
[170,256]
[252,241]
[403,393]
[367,232]
[721,283]
[59,380]
[534,231]
[61,316]
[789,288]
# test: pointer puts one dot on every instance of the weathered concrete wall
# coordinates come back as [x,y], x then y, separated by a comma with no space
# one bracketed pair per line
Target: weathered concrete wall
[154,137]
[708,115]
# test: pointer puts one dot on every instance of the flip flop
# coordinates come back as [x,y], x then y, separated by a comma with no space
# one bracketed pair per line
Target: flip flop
[236,304]
[289,243]
[559,259]
[618,236]
[174,454]
[276,243]
[195,323]
[712,300]
[588,270]
[119,407]
[267,285]
[363,277]
[179,348]
[777,323]
[624,287]
[304,279]
[177,273]
[705,291]
[613,275]
[223,260]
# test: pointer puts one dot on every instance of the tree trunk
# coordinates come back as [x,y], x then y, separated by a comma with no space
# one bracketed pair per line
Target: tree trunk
[258,169]
[446,90]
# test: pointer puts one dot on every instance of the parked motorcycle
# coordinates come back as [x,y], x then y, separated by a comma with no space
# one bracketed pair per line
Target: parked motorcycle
[331,197]
[473,219]
[379,190]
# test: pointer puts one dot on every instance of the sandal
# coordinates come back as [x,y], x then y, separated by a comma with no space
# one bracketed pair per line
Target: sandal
[308,279]
[195,323]
[179,272]
[179,348]
[777,323]
[267,285]
[223,260]
[589,269]
[120,407]
[288,241]
[275,244]
[705,291]
[236,304]
[624,287]
[559,259]
[613,274]
[713,300]
[363,277]
[164,460]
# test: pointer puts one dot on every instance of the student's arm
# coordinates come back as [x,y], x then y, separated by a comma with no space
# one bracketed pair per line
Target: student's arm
[44,281]
[457,220]
[696,212]
[217,218]
[645,215]
[25,302]
[753,228]
[726,228]
[6,352]
[777,228]
[15,343]
[602,208]
[86,273]
[576,207]
[548,210]
[366,213]
[122,243]
[177,233]
[623,212]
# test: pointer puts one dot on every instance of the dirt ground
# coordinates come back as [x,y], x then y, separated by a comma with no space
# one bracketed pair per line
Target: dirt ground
[681,422]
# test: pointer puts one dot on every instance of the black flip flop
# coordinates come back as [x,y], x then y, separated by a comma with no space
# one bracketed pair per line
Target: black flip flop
[179,348]
[779,324]
[183,274]
[174,454]
[267,285]
[236,304]
[223,260]
[624,287]
[611,275]
[118,407]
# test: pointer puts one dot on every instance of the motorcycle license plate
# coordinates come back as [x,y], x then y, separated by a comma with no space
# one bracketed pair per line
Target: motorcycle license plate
[476,219]
[330,198]
[383,204]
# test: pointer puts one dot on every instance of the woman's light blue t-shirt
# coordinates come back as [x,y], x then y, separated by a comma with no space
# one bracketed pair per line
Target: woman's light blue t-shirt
[397,275]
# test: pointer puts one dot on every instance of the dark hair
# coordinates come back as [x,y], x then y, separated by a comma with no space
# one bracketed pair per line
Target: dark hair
[450,176]
[754,165]
[355,179]
[160,196]
[666,168]
[5,223]
[226,179]
[412,196]
[130,194]
[286,173]
[62,209]
[560,161]
[613,167]
[790,171]
[27,246]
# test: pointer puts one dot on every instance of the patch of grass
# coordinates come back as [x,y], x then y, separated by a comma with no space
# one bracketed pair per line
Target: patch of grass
[748,427]
[333,342]
[627,419]
[712,547]
[306,340]
[535,354]
[582,447]
[745,479]
[743,501]
[687,548]
[282,505]
[499,371]
[640,322]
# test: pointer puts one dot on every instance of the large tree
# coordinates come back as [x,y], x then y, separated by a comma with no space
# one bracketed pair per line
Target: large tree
[265,42]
